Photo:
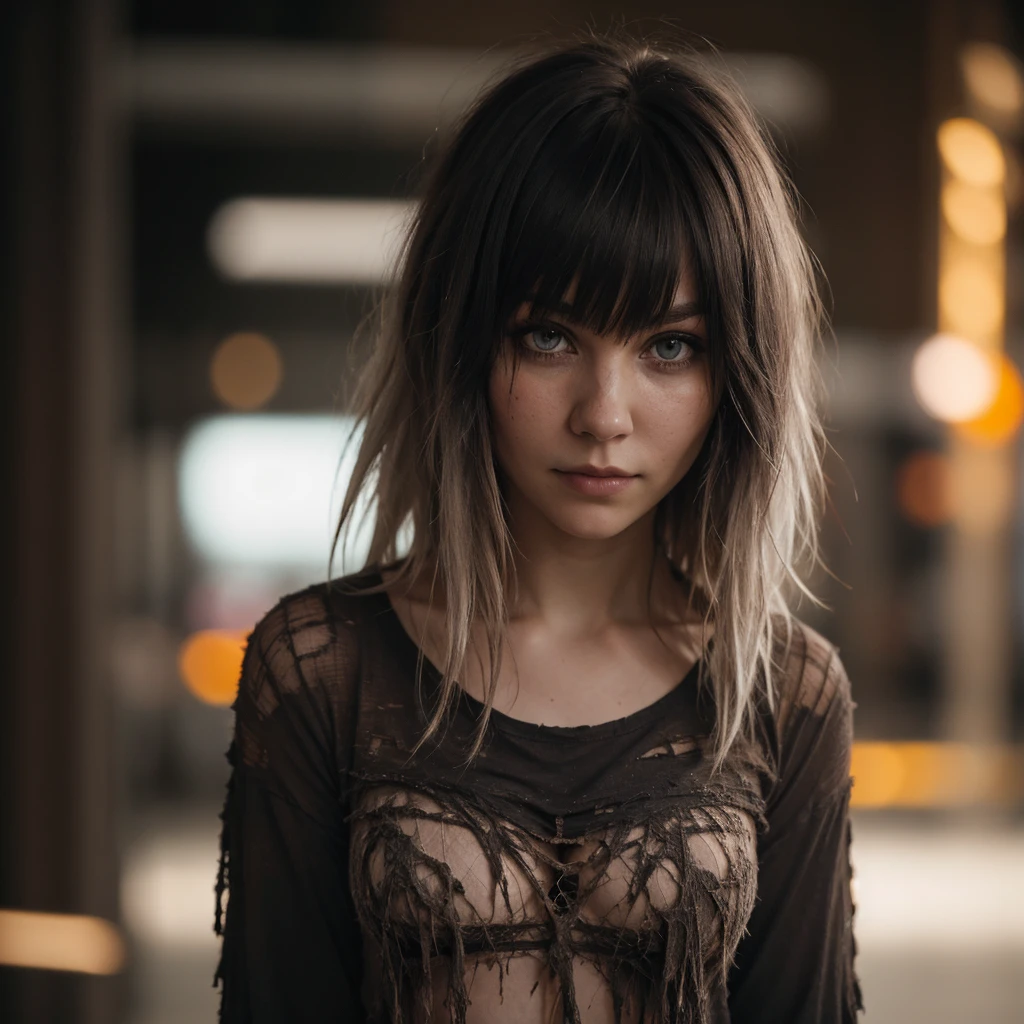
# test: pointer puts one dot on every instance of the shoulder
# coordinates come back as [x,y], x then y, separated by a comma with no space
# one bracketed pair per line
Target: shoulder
[812,719]
[300,679]
[809,675]
[311,639]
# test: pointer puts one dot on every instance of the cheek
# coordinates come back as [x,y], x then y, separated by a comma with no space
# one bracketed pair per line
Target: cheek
[675,423]
[526,410]
[502,406]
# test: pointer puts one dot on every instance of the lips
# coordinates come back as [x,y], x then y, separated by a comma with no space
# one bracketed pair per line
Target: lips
[597,481]
[599,471]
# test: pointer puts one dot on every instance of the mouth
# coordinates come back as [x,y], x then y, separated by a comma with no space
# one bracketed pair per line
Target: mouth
[598,471]
[595,481]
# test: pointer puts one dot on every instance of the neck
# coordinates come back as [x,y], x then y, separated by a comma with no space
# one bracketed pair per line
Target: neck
[580,585]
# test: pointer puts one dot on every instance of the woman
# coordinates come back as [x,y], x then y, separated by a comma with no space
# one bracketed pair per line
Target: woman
[572,757]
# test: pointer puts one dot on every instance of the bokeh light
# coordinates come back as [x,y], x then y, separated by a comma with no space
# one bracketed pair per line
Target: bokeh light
[977,215]
[878,774]
[60,942]
[357,241]
[918,774]
[923,489]
[210,663]
[993,78]
[245,371]
[953,379]
[265,490]
[971,152]
[970,299]
[1001,420]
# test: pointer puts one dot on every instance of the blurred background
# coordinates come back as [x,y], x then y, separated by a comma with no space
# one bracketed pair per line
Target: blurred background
[199,202]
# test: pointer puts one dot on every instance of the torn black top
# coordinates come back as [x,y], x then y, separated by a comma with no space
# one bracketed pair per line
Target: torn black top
[587,874]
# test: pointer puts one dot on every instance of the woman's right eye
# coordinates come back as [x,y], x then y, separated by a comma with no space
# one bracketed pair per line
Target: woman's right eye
[542,339]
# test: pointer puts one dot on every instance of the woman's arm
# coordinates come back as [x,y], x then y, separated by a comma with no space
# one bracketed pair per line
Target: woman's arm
[795,965]
[291,951]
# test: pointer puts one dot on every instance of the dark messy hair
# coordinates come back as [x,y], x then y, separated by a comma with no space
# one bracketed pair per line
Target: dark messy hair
[603,165]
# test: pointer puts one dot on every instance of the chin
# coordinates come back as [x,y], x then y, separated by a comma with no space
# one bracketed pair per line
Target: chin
[592,524]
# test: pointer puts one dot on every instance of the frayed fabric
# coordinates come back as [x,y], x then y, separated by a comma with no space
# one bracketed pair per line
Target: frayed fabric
[662,947]
[599,874]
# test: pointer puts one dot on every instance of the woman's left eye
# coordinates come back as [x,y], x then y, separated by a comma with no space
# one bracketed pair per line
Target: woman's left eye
[671,346]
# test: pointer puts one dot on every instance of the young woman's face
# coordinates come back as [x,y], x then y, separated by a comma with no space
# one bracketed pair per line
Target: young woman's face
[582,401]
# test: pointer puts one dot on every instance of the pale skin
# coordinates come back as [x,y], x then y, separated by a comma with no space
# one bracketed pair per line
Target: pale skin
[584,645]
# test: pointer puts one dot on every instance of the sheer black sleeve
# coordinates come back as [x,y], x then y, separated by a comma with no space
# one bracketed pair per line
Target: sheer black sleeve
[795,965]
[290,944]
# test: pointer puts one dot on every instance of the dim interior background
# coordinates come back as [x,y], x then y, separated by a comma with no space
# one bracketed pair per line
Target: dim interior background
[200,201]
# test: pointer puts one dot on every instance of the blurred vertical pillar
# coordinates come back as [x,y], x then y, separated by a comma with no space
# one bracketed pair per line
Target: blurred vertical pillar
[970,302]
[57,836]
[980,602]
[979,543]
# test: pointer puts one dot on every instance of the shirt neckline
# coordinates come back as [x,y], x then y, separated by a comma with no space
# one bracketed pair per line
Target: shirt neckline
[520,726]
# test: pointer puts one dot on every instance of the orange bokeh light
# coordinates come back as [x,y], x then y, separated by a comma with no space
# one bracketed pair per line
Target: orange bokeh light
[246,370]
[60,942]
[210,663]
[971,152]
[922,487]
[1001,421]
[915,774]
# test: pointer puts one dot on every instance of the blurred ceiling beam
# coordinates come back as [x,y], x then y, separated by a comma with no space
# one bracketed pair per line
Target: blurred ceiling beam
[398,95]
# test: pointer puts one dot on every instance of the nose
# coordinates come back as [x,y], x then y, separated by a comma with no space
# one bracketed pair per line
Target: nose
[601,406]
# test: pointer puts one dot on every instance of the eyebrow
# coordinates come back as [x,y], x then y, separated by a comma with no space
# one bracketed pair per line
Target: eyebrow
[680,311]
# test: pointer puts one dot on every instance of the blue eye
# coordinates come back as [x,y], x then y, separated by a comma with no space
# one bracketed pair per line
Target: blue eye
[540,340]
[668,348]
[545,339]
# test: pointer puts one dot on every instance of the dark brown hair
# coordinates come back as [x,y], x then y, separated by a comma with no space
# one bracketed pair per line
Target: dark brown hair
[604,165]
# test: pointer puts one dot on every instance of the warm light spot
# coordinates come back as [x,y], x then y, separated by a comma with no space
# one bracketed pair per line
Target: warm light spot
[245,371]
[60,942]
[928,774]
[977,215]
[993,78]
[922,486]
[210,663]
[970,299]
[1001,421]
[877,772]
[953,379]
[971,152]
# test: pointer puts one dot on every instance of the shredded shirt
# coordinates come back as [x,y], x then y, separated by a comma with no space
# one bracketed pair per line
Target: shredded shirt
[594,874]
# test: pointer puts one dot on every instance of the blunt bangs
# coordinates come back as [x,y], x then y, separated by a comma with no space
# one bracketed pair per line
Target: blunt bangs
[600,216]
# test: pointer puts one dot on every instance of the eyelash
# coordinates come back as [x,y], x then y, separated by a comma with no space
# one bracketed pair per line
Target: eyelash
[522,331]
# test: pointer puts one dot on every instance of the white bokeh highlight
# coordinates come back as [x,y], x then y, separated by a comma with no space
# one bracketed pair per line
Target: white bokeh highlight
[265,491]
[354,241]
[953,379]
